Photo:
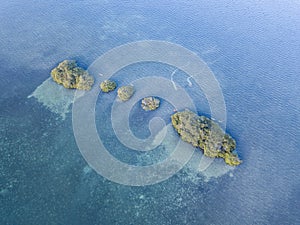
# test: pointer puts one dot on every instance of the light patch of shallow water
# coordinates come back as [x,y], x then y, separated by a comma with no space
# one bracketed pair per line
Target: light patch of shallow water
[197,165]
[58,100]
[54,97]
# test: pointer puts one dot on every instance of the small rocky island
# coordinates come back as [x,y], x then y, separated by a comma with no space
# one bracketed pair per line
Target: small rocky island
[150,103]
[108,86]
[206,134]
[70,75]
[125,92]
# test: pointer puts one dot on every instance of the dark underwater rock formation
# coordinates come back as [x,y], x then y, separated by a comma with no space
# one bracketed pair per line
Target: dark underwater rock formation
[206,134]
[70,75]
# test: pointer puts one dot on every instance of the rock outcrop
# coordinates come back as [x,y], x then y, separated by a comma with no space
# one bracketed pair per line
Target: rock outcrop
[125,92]
[206,134]
[70,75]
[150,103]
[108,86]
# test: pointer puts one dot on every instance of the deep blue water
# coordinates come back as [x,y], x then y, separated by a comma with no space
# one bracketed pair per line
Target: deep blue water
[254,51]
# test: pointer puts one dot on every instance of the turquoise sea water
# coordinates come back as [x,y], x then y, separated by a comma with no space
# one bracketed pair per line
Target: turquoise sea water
[252,48]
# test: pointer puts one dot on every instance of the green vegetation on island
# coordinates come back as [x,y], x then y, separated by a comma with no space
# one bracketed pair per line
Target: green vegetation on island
[125,92]
[150,103]
[206,134]
[199,131]
[108,85]
[70,75]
